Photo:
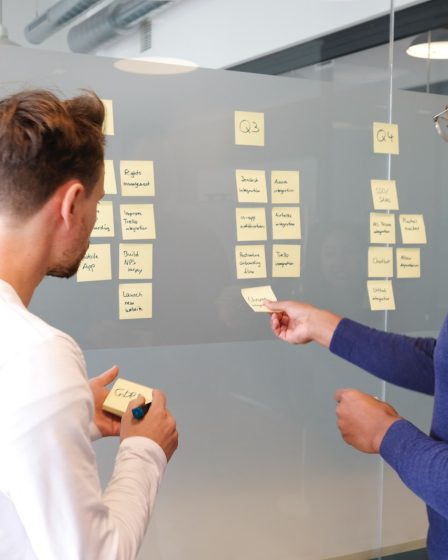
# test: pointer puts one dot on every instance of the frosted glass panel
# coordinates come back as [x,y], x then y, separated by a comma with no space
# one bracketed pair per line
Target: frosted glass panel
[261,467]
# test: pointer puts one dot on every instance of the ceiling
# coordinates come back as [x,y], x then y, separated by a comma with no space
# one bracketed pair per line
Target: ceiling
[210,33]
[224,33]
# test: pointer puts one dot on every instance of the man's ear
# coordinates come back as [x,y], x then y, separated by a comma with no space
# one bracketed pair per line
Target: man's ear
[71,194]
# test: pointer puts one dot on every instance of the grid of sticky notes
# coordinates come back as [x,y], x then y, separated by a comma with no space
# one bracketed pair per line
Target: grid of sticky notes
[395,238]
[136,221]
[257,223]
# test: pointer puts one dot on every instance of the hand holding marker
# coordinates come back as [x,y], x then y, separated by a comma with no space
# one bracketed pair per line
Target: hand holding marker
[139,411]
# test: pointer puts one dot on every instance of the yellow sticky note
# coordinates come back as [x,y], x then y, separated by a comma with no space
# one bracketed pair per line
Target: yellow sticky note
[385,138]
[137,178]
[380,262]
[96,264]
[122,392]
[286,222]
[110,185]
[250,261]
[251,224]
[108,125]
[382,228]
[384,194]
[137,221]
[255,296]
[381,295]
[286,261]
[104,225]
[408,262]
[135,301]
[249,128]
[251,185]
[412,229]
[135,261]
[285,187]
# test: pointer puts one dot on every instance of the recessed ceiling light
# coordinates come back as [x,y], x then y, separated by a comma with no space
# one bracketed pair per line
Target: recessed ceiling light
[433,45]
[155,65]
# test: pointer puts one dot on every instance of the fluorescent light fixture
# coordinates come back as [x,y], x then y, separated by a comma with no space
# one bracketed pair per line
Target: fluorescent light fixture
[433,45]
[155,65]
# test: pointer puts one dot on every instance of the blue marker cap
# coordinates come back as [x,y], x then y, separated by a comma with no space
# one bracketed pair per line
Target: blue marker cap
[139,412]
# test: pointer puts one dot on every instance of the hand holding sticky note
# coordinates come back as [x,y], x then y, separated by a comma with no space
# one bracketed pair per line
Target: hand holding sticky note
[122,392]
[255,297]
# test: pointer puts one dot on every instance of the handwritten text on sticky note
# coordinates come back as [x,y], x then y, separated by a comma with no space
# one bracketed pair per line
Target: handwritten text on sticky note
[254,297]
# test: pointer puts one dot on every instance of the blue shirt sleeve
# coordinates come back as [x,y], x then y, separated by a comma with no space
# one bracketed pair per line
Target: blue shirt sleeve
[420,461]
[398,359]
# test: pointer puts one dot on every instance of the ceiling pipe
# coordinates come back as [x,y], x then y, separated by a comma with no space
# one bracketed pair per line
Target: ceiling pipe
[54,18]
[112,21]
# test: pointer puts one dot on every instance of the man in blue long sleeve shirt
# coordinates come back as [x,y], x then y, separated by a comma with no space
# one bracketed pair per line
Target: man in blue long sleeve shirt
[373,426]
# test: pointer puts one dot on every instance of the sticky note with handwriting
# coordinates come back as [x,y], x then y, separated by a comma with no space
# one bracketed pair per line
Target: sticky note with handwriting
[285,187]
[412,229]
[254,297]
[381,295]
[408,262]
[135,261]
[249,128]
[108,125]
[104,225]
[137,178]
[110,185]
[380,262]
[251,224]
[135,301]
[382,228]
[137,221]
[251,185]
[286,222]
[250,261]
[384,194]
[385,138]
[96,264]
[286,261]
[122,393]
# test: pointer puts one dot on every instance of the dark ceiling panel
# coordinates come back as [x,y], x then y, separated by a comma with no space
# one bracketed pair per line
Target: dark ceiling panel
[408,21]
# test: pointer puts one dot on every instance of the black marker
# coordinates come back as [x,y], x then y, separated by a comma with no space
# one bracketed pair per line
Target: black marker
[139,412]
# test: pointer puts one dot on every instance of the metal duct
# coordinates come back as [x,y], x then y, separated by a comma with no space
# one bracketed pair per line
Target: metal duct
[110,22]
[56,17]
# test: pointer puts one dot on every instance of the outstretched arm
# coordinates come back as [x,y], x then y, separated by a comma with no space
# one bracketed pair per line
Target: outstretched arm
[398,359]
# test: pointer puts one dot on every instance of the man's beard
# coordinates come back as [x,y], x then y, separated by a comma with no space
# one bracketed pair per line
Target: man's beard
[62,271]
[68,269]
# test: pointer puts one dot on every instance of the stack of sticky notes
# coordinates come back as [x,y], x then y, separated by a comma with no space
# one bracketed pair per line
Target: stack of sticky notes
[122,393]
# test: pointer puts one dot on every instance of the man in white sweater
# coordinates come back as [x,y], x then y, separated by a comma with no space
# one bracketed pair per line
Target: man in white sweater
[51,502]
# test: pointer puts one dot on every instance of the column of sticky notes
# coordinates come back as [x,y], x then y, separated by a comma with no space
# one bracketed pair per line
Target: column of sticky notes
[137,221]
[252,221]
[385,259]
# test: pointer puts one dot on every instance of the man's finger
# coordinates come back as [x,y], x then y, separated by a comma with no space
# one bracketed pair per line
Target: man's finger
[158,399]
[276,306]
[138,401]
[339,394]
[109,375]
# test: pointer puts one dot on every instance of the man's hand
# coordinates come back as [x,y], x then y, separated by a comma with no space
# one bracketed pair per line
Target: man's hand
[363,420]
[108,424]
[158,424]
[300,323]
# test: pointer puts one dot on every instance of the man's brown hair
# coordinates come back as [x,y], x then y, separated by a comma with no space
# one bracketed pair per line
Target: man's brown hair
[44,142]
